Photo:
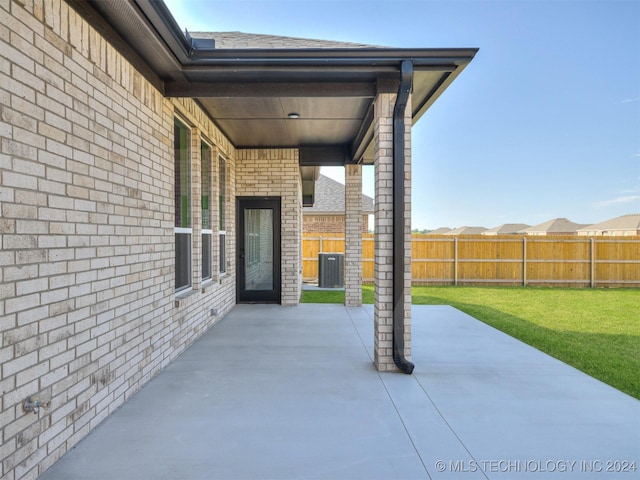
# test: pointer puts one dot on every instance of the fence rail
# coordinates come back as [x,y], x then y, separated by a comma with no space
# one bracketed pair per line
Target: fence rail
[500,260]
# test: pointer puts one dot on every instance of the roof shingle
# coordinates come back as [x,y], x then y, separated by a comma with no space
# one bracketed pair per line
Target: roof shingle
[506,229]
[240,40]
[557,226]
[329,198]
[466,231]
[628,223]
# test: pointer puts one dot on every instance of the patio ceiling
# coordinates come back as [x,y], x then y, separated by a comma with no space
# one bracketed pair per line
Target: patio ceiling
[252,93]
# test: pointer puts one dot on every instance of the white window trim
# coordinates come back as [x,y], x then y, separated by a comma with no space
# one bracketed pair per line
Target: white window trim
[222,267]
[187,230]
[208,231]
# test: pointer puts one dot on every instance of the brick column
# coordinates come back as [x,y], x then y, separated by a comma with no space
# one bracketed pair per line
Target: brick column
[353,235]
[383,161]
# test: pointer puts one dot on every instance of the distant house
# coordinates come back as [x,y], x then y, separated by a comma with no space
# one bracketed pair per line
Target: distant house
[327,213]
[440,231]
[557,226]
[620,226]
[506,229]
[467,231]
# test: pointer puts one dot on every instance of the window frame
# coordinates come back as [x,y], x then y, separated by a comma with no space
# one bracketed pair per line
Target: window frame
[206,233]
[222,214]
[183,226]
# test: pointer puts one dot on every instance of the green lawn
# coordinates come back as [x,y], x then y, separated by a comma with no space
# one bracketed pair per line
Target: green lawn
[595,330]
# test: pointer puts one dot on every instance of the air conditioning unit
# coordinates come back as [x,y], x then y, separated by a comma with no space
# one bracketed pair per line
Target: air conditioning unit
[330,270]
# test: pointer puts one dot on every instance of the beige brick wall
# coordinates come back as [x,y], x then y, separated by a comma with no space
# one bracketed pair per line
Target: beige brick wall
[275,173]
[322,223]
[87,299]
[329,223]
[353,235]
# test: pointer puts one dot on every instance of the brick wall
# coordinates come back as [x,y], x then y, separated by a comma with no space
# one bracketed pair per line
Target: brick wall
[323,223]
[281,179]
[87,298]
[329,223]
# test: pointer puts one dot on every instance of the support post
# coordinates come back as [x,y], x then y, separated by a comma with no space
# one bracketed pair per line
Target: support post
[455,261]
[383,249]
[524,261]
[593,261]
[353,236]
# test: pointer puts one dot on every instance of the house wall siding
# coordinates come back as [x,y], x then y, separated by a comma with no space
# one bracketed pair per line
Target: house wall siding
[275,173]
[87,298]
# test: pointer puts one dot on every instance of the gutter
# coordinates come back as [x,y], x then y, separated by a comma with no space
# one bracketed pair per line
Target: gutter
[404,90]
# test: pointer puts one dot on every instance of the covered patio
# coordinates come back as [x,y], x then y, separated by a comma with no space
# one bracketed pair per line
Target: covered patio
[274,392]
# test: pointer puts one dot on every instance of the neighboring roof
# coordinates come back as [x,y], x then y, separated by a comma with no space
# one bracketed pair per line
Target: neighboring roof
[629,223]
[557,226]
[241,40]
[467,231]
[329,199]
[440,231]
[506,229]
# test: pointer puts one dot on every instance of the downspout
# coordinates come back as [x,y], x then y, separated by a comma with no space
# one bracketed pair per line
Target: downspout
[406,80]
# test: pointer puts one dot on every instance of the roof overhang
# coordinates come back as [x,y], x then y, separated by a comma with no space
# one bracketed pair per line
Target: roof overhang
[309,175]
[316,99]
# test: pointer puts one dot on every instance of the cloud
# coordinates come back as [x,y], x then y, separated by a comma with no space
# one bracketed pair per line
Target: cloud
[618,200]
[631,100]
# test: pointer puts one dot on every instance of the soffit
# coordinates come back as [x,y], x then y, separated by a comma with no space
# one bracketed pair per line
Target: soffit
[264,121]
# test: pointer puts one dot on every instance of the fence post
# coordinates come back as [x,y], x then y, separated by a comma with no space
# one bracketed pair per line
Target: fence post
[524,261]
[593,261]
[455,261]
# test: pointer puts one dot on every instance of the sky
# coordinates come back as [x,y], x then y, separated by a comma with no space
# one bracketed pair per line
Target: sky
[544,122]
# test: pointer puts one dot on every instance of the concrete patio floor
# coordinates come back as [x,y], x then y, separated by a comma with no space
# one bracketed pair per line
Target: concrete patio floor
[275,392]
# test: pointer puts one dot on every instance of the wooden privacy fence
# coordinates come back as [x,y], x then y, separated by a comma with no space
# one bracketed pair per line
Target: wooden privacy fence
[500,260]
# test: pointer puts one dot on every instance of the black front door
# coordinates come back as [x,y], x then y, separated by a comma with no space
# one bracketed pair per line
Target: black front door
[258,249]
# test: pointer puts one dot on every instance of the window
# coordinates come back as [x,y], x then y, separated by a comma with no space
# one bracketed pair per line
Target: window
[222,202]
[205,196]
[182,201]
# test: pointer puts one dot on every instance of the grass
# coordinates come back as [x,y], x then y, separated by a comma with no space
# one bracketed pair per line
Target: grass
[595,330]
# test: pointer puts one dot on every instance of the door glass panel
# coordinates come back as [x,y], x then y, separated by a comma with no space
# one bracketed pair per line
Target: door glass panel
[258,243]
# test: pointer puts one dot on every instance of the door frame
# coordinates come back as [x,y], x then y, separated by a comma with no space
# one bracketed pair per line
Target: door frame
[258,296]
